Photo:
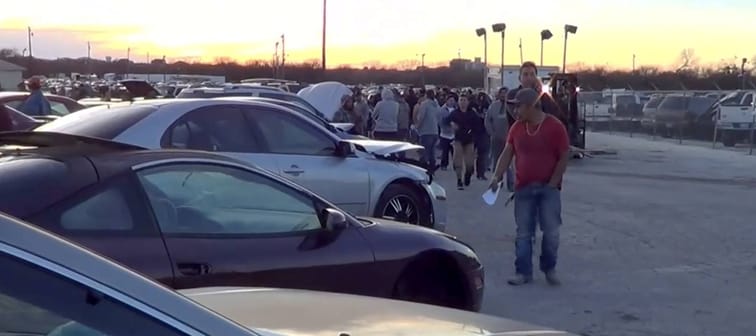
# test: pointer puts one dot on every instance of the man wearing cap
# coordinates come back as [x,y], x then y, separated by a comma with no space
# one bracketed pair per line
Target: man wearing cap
[540,146]
[529,79]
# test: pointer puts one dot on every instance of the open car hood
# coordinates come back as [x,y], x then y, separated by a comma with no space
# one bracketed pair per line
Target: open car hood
[383,148]
[139,88]
[299,312]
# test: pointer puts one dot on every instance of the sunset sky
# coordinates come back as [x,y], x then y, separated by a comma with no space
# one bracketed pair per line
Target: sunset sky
[364,32]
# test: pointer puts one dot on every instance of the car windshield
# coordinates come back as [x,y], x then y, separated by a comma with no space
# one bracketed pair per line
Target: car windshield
[101,121]
[674,103]
[654,102]
[732,99]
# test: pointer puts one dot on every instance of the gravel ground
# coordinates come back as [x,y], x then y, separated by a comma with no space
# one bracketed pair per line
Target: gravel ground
[658,239]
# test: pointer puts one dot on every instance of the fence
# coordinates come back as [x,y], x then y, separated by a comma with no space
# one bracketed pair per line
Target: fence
[598,121]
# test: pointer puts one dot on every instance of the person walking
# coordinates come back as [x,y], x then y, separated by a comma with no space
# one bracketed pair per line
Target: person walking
[497,123]
[446,132]
[540,146]
[386,114]
[463,120]
[529,79]
[403,118]
[482,142]
[426,125]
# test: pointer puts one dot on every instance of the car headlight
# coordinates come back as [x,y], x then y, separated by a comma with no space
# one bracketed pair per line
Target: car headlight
[438,191]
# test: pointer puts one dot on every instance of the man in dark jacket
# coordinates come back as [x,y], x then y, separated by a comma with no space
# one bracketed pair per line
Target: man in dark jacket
[529,79]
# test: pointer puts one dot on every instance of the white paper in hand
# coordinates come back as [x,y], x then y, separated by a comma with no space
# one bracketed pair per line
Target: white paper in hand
[490,196]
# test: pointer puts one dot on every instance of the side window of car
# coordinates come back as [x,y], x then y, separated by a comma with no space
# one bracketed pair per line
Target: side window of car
[15,103]
[748,100]
[214,199]
[216,128]
[286,134]
[112,207]
[59,108]
[37,301]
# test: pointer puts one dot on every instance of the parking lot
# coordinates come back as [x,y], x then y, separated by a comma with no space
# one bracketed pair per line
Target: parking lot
[658,239]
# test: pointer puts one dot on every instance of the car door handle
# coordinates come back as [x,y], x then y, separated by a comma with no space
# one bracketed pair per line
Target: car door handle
[294,170]
[193,269]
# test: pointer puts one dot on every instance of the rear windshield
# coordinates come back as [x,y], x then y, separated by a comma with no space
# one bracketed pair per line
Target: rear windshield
[99,122]
[625,100]
[294,99]
[212,94]
[674,103]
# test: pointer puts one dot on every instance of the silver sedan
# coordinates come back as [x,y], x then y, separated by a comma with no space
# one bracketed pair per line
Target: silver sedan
[364,177]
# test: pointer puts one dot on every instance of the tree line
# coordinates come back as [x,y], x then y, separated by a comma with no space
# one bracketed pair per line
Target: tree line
[686,77]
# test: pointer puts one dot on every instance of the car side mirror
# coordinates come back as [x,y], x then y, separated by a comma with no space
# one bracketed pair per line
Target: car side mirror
[344,149]
[334,220]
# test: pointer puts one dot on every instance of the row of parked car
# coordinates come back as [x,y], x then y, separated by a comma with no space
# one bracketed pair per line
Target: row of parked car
[231,193]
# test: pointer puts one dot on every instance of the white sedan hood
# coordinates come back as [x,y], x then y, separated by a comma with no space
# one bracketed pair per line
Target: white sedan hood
[297,312]
[380,147]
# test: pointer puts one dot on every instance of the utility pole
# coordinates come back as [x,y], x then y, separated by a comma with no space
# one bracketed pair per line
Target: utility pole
[422,68]
[323,56]
[283,56]
[149,67]
[633,63]
[275,62]
[165,67]
[89,57]
[30,34]
[128,62]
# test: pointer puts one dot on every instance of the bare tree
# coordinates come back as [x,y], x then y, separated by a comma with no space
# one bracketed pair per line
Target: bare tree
[9,53]
[688,59]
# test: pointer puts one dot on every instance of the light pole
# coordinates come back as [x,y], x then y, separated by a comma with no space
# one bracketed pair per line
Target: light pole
[501,28]
[323,47]
[743,74]
[30,34]
[482,32]
[633,63]
[567,30]
[545,35]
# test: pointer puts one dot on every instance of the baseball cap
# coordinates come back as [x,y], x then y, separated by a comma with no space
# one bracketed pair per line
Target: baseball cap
[525,96]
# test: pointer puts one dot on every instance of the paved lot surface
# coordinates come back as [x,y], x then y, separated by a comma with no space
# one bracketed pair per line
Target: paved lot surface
[659,239]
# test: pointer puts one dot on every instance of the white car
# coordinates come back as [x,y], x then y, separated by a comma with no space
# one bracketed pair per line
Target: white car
[363,177]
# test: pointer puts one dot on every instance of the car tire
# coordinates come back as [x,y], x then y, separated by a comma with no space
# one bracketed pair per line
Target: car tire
[403,203]
[432,280]
[728,140]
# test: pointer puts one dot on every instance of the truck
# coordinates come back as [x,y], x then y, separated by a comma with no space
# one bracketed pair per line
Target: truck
[735,116]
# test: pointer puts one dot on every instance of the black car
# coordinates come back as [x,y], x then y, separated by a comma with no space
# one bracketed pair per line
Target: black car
[197,219]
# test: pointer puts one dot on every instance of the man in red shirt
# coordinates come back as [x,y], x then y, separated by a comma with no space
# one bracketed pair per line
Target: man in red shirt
[540,145]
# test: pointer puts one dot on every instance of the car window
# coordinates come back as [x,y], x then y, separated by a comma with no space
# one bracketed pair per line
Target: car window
[36,301]
[59,108]
[292,98]
[211,199]
[287,134]
[15,103]
[100,121]
[215,128]
[107,210]
[748,100]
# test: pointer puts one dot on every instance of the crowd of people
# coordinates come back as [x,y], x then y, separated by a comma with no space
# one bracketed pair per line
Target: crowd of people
[524,126]
[467,127]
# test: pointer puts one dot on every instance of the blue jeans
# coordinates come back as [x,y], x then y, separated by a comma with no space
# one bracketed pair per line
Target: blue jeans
[534,204]
[429,153]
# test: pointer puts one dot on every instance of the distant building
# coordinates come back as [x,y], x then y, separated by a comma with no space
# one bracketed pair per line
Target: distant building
[10,75]
[461,64]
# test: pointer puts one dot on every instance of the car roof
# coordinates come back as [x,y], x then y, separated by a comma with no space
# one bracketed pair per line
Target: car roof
[56,253]
[58,165]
